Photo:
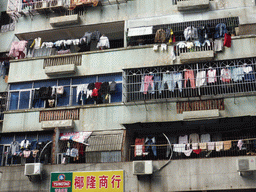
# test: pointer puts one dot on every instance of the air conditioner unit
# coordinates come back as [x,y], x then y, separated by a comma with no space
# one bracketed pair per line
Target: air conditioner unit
[56,3]
[246,164]
[41,5]
[33,169]
[142,167]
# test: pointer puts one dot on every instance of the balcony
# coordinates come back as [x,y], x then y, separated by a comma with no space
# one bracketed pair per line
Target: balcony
[196,54]
[191,81]
[186,5]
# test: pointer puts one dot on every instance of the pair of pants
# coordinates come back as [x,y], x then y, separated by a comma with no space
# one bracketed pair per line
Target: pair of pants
[167,78]
[171,80]
[148,84]
[189,75]
[177,78]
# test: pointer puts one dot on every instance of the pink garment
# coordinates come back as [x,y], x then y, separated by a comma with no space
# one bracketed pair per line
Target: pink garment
[148,80]
[26,153]
[240,144]
[18,48]
[189,75]
[14,49]
[225,75]
[22,45]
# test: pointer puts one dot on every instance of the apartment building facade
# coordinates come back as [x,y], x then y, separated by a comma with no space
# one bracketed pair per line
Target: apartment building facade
[161,92]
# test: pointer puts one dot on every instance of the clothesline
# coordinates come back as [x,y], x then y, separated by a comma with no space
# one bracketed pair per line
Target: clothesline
[163,145]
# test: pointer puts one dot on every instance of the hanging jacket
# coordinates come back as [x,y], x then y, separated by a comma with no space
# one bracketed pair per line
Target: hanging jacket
[190,33]
[112,87]
[45,93]
[220,30]
[203,32]
[96,35]
[104,88]
[91,86]
[160,36]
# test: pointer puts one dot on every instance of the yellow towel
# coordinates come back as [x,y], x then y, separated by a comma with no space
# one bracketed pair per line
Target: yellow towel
[227,145]
[203,146]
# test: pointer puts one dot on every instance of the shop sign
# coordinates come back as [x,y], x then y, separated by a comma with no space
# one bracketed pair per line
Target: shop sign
[105,181]
[61,182]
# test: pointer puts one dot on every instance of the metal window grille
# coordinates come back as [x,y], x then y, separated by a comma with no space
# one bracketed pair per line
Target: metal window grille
[183,81]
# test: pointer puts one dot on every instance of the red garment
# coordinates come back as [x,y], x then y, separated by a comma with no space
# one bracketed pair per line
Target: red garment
[97,85]
[139,148]
[173,39]
[198,151]
[95,92]
[227,40]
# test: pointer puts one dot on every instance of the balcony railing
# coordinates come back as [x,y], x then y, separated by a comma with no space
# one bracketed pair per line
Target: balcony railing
[190,80]
[178,29]
[205,47]
[227,148]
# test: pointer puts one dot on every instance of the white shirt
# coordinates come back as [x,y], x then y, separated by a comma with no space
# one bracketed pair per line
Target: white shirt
[104,42]
[211,74]
[201,78]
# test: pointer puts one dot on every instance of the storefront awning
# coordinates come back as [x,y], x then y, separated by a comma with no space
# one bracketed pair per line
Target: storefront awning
[79,137]
[140,31]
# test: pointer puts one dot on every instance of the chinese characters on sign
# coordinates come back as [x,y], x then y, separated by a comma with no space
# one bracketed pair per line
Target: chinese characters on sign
[112,181]
[100,181]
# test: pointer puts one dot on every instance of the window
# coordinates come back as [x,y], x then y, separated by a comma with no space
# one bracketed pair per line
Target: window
[25,95]
[37,140]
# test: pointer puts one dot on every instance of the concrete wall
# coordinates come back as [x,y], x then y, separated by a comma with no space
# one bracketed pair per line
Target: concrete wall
[6,41]
[112,117]
[3,5]
[179,175]
[3,85]
[143,9]
[115,61]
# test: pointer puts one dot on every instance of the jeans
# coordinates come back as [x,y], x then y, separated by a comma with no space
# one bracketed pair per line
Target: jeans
[151,143]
